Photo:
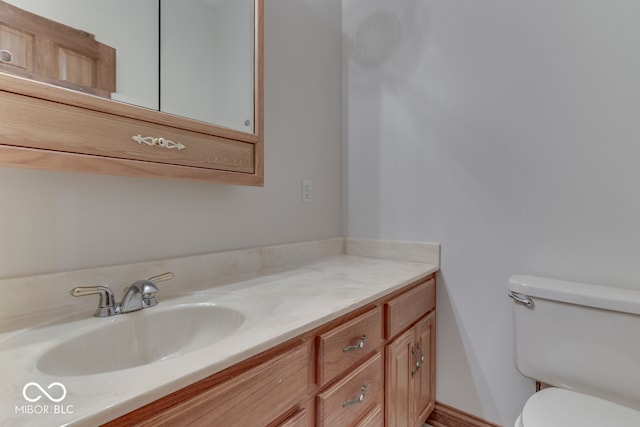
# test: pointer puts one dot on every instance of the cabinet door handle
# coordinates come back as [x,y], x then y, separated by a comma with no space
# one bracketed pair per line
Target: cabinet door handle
[416,367]
[358,399]
[358,346]
[421,353]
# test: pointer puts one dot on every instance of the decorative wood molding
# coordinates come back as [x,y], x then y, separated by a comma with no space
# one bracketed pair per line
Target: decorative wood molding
[447,416]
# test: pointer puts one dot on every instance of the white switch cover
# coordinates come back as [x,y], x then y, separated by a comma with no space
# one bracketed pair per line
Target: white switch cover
[306,191]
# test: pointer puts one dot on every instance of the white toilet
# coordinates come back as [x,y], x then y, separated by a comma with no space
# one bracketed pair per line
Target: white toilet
[583,341]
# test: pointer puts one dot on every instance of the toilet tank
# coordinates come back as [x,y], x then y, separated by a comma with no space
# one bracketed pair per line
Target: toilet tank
[578,336]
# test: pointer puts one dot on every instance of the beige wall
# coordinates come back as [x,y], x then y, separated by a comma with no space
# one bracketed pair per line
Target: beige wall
[54,221]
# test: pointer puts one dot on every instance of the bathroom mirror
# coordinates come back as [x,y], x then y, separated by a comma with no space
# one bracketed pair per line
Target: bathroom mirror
[192,58]
[133,85]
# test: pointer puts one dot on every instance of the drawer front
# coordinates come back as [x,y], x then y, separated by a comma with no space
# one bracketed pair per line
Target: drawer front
[375,418]
[349,399]
[70,129]
[409,307]
[300,419]
[253,398]
[348,344]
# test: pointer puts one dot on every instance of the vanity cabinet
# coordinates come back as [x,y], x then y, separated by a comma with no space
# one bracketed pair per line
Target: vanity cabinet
[371,367]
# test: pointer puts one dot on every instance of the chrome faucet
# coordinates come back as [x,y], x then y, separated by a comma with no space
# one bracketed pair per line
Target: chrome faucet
[139,295]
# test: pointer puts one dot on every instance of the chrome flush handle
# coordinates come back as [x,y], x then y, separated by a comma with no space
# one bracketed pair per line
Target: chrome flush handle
[521,298]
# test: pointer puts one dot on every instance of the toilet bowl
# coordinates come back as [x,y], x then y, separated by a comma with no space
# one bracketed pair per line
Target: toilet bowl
[556,407]
[582,340]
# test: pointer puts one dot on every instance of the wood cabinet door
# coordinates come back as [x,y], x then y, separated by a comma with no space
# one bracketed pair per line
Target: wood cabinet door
[424,384]
[399,381]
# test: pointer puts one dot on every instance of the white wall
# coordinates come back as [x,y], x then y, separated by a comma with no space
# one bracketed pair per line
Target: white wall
[509,132]
[54,221]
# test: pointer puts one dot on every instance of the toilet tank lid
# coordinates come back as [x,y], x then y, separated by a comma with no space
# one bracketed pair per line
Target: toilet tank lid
[555,407]
[603,297]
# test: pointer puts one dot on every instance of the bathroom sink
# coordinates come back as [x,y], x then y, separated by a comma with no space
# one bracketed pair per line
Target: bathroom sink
[140,338]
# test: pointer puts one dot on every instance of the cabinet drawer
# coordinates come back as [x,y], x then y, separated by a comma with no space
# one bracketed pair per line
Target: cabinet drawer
[346,345]
[409,307]
[253,398]
[59,127]
[299,419]
[346,402]
[375,418]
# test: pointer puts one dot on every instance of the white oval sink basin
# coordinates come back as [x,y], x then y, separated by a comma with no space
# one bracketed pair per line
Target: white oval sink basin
[139,338]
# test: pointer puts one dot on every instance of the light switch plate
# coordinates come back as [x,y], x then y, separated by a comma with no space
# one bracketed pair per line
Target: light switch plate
[306,191]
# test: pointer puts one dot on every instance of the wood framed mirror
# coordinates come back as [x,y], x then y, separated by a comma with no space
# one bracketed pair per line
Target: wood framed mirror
[60,127]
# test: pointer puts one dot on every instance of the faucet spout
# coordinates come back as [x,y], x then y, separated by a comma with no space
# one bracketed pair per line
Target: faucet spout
[132,300]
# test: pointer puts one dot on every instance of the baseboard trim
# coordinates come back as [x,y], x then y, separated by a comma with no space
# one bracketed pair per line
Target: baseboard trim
[447,416]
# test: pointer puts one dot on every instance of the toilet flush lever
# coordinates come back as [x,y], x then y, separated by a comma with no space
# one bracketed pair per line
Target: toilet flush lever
[522,299]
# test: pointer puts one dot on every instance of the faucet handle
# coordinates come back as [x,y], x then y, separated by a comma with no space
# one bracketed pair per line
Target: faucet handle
[106,306]
[149,288]
[161,277]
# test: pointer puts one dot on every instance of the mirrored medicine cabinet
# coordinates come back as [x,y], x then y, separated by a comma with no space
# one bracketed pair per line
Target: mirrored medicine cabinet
[154,88]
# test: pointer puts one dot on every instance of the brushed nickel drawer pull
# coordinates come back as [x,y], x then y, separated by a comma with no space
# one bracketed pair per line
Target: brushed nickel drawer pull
[152,141]
[358,399]
[358,346]
[5,55]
